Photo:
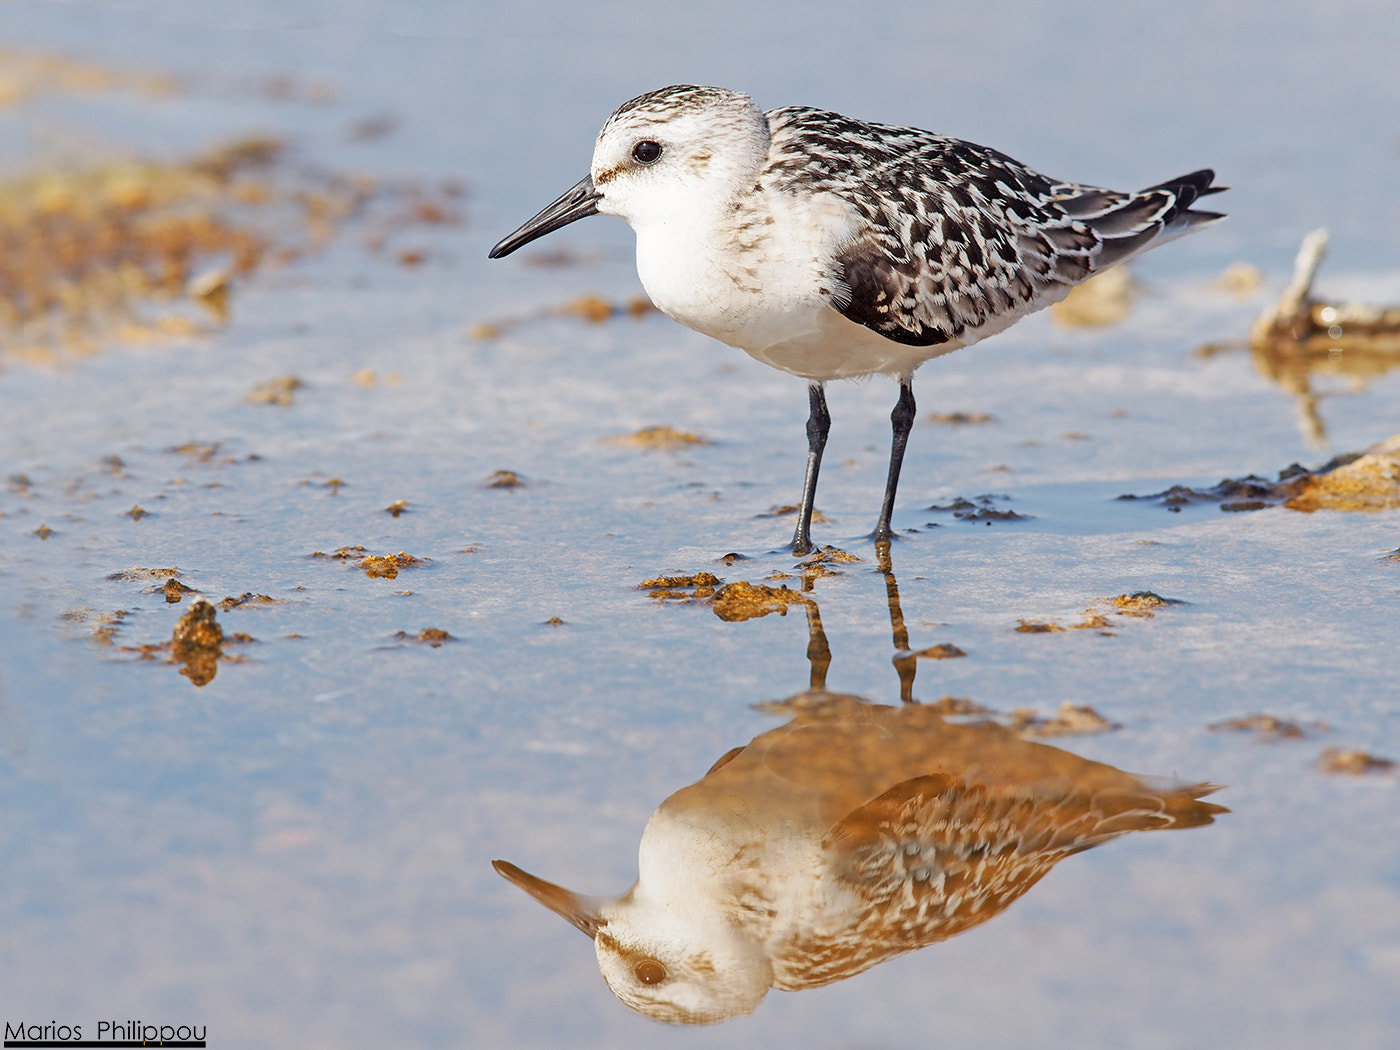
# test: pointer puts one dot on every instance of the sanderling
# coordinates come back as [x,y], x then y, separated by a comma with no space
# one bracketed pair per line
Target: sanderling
[832,248]
[852,834]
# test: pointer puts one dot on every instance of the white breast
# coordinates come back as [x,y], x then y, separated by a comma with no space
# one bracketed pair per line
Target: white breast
[761,278]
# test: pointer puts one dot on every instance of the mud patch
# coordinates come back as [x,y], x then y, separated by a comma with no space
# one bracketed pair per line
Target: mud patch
[387,566]
[741,600]
[829,556]
[590,308]
[658,438]
[818,564]
[434,637]
[136,573]
[375,566]
[943,651]
[1367,484]
[980,508]
[504,479]
[1070,720]
[1143,604]
[1363,482]
[787,509]
[1233,494]
[277,391]
[1267,727]
[958,707]
[1353,762]
[84,252]
[29,74]
[197,644]
[142,251]
[732,602]
[103,625]
[173,590]
[1102,300]
[691,588]
[959,419]
[1093,620]
[247,600]
[204,452]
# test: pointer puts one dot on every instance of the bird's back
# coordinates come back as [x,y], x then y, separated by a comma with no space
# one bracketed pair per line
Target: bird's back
[956,241]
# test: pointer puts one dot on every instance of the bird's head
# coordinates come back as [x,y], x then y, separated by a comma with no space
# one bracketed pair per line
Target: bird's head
[667,154]
[671,964]
[682,147]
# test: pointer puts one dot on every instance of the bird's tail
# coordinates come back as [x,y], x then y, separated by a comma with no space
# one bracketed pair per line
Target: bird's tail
[1186,190]
[1130,223]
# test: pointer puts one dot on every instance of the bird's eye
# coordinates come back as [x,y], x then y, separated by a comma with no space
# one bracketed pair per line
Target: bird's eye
[646,152]
[649,971]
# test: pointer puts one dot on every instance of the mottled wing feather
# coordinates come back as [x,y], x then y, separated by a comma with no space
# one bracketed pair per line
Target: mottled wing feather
[956,236]
[934,856]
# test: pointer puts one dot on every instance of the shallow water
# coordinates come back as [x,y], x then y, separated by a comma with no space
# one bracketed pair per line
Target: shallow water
[299,849]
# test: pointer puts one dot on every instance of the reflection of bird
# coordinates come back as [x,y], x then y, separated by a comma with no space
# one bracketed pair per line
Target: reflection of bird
[832,248]
[851,834]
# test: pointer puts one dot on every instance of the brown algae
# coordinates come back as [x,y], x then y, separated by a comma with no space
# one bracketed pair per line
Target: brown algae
[681,588]
[375,566]
[658,438]
[1357,482]
[1353,762]
[1266,727]
[197,643]
[433,637]
[741,600]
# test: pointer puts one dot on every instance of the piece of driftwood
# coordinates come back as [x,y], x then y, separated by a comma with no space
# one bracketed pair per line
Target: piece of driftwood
[1301,335]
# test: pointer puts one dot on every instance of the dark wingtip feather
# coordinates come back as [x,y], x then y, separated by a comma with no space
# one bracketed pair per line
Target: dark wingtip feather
[1197,182]
[1188,189]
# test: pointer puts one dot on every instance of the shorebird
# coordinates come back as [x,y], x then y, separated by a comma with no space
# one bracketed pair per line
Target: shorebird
[833,248]
[852,834]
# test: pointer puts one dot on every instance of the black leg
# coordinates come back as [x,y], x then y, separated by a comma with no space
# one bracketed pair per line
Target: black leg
[818,649]
[818,424]
[906,664]
[902,419]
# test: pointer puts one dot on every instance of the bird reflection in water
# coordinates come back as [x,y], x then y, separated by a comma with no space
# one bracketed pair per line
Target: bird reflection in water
[851,834]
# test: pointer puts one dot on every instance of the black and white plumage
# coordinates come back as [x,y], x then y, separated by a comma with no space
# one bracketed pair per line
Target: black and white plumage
[852,834]
[833,248]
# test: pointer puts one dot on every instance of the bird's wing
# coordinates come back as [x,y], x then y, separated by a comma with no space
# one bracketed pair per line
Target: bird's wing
[924,861]
[978,846]
[957,236]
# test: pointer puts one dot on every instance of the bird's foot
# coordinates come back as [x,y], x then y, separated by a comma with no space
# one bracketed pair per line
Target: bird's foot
[886,536]
[801,544]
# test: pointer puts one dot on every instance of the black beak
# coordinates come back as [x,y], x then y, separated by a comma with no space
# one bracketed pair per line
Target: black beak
[579,202]
[581,912]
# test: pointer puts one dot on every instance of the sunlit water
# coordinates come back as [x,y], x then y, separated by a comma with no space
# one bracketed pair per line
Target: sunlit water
[298,851]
